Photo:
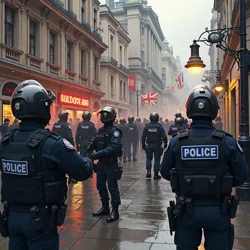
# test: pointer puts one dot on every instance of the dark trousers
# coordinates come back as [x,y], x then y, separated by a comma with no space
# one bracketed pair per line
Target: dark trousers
[218,230]
[125,150]
[130,145]
[24,236]
[105,175]
[156,152]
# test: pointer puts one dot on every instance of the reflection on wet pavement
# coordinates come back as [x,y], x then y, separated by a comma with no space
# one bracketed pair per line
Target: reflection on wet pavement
[143,221]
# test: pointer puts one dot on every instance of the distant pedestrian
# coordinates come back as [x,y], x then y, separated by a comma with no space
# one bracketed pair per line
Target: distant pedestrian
[4,128]
[14,125]
[218,123]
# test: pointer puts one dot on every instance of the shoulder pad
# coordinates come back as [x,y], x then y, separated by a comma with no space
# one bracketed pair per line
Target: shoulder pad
[118,129]
[37,137]
[182,134]
[7,136]
[228,134]
[219,133]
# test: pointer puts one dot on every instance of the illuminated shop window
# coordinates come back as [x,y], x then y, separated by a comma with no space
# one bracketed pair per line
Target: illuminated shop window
[7,113]
[71,114]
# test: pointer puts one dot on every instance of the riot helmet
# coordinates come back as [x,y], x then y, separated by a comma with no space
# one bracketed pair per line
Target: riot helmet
[154,117]
[178,115]
[86,116]
[108,115]
[30,100]
[138,119]
[63,116]
[122,121]
[202,103]
[179,121]
[131,119]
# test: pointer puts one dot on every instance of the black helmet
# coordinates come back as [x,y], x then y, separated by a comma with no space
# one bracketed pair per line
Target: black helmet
[138,119]
[154,117]
[108,115]
[179,121]
[86,116]
[31,100]
[185,121]
[202,102]
[178,115]
[123,121]
[131,118]
[63,115]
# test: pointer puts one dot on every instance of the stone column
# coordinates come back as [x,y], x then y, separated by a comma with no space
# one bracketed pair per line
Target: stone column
[2,18]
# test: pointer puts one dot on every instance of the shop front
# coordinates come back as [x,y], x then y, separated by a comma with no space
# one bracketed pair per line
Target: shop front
[7,91]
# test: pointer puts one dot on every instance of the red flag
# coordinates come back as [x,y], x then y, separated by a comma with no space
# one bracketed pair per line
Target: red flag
[131,83]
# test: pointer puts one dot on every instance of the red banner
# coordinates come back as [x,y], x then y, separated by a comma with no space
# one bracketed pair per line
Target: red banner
[131,83]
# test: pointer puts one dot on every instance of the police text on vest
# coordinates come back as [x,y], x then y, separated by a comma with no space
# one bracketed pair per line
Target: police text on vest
[199,152]
[15,167]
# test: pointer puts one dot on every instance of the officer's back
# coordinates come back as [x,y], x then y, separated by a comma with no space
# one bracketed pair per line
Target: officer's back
[203,165]
[33,163]
[124,128]
[133,131]
[62,127]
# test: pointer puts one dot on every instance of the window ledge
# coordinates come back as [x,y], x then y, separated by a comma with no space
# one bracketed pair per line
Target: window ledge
[70,72]
[35,58]
[53,65]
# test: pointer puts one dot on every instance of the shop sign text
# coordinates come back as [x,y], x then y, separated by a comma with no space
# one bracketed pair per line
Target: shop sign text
[66,99]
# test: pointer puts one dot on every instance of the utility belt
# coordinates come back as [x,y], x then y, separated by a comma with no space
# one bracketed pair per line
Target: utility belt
[184,205]
[56,213]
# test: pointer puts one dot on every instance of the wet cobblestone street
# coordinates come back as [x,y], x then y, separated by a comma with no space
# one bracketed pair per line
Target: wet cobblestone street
[143,223]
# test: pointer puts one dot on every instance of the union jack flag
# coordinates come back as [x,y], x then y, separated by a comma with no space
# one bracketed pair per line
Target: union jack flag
[171,89]
[180,80]
[150,98]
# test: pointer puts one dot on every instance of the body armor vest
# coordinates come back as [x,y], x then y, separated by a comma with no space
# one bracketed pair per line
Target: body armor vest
[201,171]
[103,140]
[153,133]
[25,181]
[59,129]
[86,131]
[131,131]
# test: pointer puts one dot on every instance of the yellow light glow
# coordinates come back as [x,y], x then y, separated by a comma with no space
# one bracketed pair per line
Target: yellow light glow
[94,113]
[218,88]
[195,70]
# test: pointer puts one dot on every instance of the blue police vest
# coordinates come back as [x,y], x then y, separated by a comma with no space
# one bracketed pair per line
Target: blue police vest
[153,133]
[201,169]
[86,130]
[60,129]
[24,180]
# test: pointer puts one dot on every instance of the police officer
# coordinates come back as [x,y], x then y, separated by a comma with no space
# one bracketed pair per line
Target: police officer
[85,132]
[108,148]
[124,129]
[63,129]
[203,165]
[5,126]
[185,123]
[177,126]
[33,163]
[154,134]
[133,137]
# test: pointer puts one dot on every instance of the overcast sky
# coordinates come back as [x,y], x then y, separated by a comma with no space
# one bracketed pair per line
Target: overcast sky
[182,21]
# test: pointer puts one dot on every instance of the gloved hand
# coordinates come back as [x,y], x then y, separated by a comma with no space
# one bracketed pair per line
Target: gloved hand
[144,147]
[94,156]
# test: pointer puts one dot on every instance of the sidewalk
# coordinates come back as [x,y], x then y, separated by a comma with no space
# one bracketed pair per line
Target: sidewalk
[143,224]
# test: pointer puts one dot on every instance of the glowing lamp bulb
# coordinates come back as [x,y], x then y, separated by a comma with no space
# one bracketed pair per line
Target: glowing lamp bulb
[218,88]
[195,70]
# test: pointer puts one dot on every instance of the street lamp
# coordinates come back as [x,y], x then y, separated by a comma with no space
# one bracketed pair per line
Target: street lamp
[220,38]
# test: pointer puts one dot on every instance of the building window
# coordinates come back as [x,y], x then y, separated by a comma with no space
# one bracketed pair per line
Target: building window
[121,88]
[69,4]
[52,48]
[111,45]
[32,38]
[121,58]
[69,56]
[95,19]
[9,26]
[83,10]
[163,75]
[142,31]
[96,66]
[83,61]
[125,91]
[112,86]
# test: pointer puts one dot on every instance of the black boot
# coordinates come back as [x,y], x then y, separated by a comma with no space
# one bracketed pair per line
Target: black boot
[114,214]
[148,175]
[103,211]
[157,176]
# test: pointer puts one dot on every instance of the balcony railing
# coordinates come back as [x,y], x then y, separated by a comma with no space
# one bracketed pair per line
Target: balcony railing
[53,69]
[11,54]
[86,26]
[34,62]
[72,14]
[70,75]
[108,59]
[97,35]
[124,69]
[83,80]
